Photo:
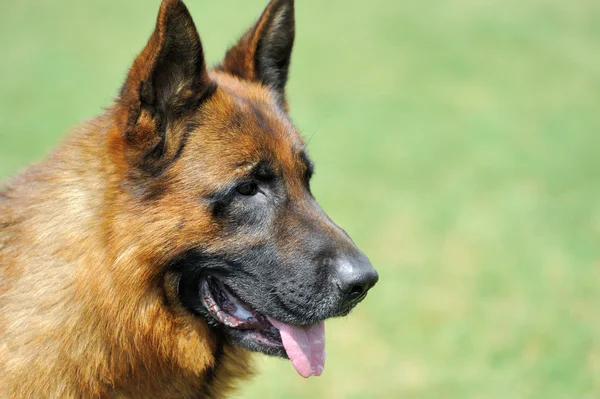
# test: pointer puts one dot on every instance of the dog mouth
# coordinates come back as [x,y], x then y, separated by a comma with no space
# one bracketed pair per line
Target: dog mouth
[303,345]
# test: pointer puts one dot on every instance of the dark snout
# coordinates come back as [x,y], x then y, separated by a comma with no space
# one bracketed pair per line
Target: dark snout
[350,275]
[350,272]
[328,273]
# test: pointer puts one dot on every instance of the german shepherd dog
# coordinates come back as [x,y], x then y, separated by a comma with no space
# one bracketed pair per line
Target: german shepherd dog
[175,234]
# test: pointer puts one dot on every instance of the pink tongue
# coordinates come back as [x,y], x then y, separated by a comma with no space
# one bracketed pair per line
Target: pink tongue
[304,345]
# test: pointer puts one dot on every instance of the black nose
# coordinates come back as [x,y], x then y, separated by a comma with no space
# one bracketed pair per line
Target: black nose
[355,276]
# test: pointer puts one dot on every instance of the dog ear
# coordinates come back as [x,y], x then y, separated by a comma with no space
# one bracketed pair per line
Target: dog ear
[167,80]
[263,54]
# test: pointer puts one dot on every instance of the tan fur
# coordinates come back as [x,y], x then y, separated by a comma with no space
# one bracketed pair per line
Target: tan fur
[88,301]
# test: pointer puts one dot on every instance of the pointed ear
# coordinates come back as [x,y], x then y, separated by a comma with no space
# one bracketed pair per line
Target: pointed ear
[263,54]
[167,80]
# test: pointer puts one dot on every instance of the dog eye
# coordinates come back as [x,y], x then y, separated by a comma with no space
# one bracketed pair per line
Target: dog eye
[247,189]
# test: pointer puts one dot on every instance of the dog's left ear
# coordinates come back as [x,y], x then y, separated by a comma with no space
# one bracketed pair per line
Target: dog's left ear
[263,54]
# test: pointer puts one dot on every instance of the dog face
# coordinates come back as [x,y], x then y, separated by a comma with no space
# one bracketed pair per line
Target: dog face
[224,177]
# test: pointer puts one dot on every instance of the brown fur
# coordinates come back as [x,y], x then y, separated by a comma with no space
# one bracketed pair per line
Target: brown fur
[88,309]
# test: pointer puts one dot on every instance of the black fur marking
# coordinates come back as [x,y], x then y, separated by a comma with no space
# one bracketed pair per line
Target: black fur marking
[218,202]
[212,373]
[219,209]
[263,171]
[309,170]
[147,94]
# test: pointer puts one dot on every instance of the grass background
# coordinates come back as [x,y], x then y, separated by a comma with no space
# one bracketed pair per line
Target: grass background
[457,141]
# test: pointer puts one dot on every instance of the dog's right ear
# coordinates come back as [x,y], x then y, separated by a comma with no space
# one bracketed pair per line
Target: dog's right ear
[263,54]
[167,80]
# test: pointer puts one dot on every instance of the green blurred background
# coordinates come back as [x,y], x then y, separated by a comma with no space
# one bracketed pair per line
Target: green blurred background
[457,141]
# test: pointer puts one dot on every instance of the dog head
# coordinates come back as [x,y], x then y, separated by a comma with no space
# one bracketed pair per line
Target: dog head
[221,181]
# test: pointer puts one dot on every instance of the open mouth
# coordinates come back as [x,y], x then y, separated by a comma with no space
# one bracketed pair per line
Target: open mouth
[304,345]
